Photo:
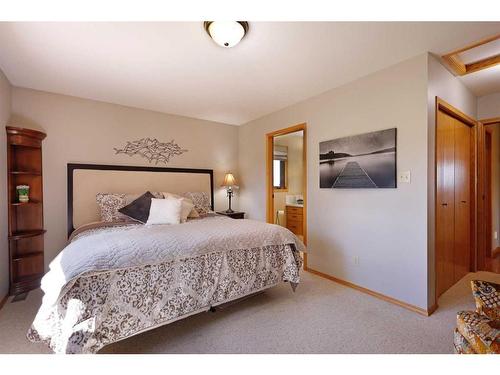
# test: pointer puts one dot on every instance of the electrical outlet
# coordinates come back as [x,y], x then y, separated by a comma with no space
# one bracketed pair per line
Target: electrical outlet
[496,235]
[356,261]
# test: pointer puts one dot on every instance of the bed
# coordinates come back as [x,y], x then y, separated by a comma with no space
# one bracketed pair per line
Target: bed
[117,279]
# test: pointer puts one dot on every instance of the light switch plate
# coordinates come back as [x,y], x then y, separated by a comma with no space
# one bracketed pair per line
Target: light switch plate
[405,177]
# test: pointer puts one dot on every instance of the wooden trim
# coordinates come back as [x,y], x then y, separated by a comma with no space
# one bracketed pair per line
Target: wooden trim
[269,175]
[290,129]
[490,121]
[3,301]
[453,112]
[447,108]
[431,309]
[483,242]
[475,44]
[480,253]
[454,62]
[482,64]
[72,166]
[372,293]
[269,179]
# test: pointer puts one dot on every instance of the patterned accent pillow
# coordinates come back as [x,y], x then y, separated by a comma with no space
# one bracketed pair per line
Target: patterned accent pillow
[461,344]
[487,298]
[110,203]
[480,331]
[201,202]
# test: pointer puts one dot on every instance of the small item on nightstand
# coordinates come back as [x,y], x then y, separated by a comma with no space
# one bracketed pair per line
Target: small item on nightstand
[23,193]
[232,215]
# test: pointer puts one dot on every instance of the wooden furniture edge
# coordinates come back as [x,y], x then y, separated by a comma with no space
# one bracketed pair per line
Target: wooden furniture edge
[372,293]
[14,130]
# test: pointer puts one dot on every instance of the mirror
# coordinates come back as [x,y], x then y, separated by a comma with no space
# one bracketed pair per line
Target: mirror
[280,168]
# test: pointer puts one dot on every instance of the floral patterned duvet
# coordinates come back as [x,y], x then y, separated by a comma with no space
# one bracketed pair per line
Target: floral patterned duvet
[113,282]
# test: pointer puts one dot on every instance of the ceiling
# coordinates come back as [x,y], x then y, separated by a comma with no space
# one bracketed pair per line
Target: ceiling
[483,82]
[174,67]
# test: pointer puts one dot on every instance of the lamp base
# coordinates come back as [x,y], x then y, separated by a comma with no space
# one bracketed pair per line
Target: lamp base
[229,211]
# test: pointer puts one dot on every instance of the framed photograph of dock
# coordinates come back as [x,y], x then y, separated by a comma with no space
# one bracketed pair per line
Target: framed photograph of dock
[360,161]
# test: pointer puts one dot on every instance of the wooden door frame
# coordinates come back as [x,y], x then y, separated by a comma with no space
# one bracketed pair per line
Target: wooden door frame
[481,222]
[447,108]
[269,175]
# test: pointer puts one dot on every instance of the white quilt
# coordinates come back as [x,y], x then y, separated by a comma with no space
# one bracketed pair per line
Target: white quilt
[230,254]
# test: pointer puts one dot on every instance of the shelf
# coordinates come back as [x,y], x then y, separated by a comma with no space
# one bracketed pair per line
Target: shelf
[26,244]
[26,146]
[26,234]
[30,173]
[32,203]
[32,254]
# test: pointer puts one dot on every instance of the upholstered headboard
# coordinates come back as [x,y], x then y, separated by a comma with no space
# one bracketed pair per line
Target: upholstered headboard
[86,180]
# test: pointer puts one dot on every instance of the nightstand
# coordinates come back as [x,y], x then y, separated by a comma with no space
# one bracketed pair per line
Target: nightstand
[232,215]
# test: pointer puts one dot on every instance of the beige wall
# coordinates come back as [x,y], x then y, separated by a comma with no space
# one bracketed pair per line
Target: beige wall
[385,228]
[443,84]
[294,142]
[5,107]
[488,106]
[85,131]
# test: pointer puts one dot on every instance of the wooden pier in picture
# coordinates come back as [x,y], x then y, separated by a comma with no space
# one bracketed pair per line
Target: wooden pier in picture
[353,176]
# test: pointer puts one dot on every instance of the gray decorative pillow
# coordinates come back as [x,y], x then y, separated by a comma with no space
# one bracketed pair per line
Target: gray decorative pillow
[201,202]
[109,204]
[139,208]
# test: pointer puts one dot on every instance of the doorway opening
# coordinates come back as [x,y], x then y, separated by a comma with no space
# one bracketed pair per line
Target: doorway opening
[489,182]
[286,195]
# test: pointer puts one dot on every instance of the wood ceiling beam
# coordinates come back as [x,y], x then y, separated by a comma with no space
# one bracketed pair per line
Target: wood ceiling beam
[460,68]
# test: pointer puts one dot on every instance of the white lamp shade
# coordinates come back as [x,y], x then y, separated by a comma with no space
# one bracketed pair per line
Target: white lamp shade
[226,34]
[229,180]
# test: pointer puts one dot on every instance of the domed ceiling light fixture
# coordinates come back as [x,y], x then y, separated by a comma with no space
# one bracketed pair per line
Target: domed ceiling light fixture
[226,34]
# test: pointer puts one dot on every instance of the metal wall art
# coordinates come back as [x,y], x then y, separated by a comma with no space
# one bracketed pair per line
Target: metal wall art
[152,149]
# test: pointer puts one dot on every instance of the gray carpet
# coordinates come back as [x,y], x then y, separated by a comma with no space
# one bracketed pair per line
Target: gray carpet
[321,317]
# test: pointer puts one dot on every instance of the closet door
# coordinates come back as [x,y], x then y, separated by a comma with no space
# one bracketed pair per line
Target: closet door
[445,202]
[463,138]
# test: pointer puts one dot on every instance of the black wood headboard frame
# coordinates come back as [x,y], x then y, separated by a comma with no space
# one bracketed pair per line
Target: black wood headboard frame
[103,167]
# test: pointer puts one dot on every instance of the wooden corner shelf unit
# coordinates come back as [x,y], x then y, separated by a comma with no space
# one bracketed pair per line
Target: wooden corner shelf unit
[24,167]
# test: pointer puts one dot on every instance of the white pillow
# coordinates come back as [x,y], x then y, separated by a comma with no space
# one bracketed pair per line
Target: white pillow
[187,206]
[165,211]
